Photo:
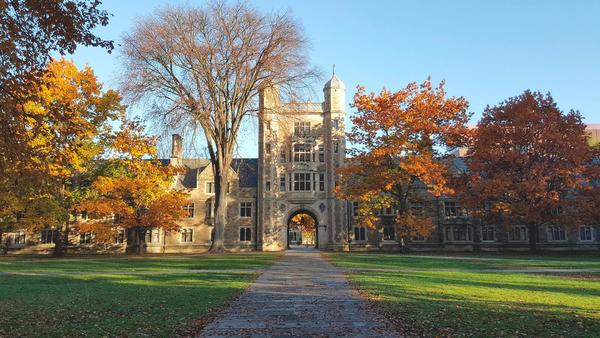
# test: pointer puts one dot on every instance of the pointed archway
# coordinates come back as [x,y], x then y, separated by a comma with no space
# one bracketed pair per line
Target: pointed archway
[302,229]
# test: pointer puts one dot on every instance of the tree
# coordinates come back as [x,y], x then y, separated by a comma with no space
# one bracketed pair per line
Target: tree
[30,32]
[34,29]
[396,159]
[68,116]
[526,164]
[132,190]
[201,68]
[307,226]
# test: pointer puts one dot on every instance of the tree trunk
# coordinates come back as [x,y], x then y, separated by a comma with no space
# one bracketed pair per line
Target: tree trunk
[58,245]
[3,248]
[221,174]
[141,247]
[533,233]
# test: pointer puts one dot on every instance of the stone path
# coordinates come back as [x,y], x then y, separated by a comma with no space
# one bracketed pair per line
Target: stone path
[302,295]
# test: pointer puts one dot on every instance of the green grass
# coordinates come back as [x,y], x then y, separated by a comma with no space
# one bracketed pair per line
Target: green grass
[466,261]
[425,298]
[137,263]
[100,304]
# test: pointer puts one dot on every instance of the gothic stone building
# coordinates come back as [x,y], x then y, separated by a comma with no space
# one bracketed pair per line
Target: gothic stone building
[300,146]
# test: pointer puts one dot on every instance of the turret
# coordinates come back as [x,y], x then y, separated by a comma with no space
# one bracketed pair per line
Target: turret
[335,93]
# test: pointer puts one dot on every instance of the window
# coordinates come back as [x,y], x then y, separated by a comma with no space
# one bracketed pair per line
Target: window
[585,233]
[321,182]
[556,233]
[301,152]
[116,218]
[335,123]
[152,236]
[302,181]
[85,238]
[268,186]
[418,238]
[282,151]
[189,210]
[453,209]
[389,233]
[120,238]
[355,208]
[208,213]
[518,233]
[302,129]
[245,234]
[49,236]
[416,208]
[246,209]
[321,153]
[187,235]
[360,234]
[19,238]
[282,183]
[487,233]
[210,188]
[387,211]
[458,233]
[84,215]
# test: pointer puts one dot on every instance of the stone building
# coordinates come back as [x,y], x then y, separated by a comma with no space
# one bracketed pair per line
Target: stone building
[300,146]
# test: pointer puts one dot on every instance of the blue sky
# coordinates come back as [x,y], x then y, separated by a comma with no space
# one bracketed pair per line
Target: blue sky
[486,51]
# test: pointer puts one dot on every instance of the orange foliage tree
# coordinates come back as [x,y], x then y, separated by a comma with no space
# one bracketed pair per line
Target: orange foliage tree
[68,116]
[526,165]
[307,226]
[397,138]
[133,190]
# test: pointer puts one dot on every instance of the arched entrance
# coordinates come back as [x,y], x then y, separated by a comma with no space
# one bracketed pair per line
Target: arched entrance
[302,230]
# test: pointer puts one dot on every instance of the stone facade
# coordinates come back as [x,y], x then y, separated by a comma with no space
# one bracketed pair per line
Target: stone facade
[300,146]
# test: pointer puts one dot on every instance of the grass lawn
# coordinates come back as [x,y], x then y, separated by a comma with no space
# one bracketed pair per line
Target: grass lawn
[97,303]
[470,296]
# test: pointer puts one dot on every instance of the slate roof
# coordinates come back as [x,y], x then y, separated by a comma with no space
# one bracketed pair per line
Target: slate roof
[246,168]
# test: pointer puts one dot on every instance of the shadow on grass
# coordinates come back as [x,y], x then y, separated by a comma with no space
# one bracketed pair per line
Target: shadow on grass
[88,305]
[434,305]
[375,260]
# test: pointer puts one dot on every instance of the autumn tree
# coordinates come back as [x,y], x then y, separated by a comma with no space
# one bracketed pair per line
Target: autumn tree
[526,164]
[31,31]
[398,139]
[307,226]
[68,115]
[132,190]
[201,68]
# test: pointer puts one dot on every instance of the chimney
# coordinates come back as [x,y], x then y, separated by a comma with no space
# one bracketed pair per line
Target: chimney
[177,147]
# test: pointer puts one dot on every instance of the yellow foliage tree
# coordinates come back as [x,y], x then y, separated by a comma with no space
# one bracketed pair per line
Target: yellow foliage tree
[134,186]
[67,117]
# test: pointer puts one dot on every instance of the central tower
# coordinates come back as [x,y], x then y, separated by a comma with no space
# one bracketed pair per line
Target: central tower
[301,144]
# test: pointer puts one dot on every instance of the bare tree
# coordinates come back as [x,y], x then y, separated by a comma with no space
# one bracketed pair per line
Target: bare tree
[202,68]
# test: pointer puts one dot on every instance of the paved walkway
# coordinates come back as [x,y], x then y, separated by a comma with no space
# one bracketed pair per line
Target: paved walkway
[302,295]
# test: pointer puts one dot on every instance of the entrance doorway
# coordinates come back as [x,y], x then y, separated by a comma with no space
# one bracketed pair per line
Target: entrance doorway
[302,230]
